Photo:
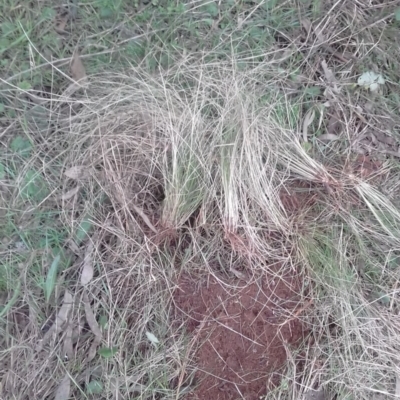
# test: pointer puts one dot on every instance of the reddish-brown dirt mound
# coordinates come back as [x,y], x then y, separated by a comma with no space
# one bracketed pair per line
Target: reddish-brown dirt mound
[240,331]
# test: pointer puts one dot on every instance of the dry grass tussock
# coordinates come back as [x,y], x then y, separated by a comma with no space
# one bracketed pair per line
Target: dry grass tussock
[185,170]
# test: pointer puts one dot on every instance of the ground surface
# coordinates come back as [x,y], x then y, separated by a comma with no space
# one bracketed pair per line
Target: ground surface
[243,331]
[143,143]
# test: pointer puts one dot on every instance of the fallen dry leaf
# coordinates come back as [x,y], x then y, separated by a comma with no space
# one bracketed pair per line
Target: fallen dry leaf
[78,71]
[60,23]
[144,217]
[328,137]
[71,193]
[76,172]
[308,120]
[64,310]
[306,23]
[381,137]
[67,348]
[62,392]
[93,348]
[61,318]
[330,77]
[78,328]
[238,274]
[319,35]
[334,125]
[90,317]
[73,247]
[87,270]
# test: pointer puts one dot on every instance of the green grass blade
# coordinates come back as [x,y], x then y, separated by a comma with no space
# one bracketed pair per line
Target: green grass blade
[51,277]
[12,301]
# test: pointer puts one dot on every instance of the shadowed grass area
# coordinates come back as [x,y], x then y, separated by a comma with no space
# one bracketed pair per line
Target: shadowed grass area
[199,133]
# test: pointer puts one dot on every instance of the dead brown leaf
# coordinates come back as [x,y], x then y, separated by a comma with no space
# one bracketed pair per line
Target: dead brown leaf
[73,247]
[61,23]
[61,318]
[64,310]
[93,348]
[330,77]
[319,35]
[381,137]
[239,274]
[67,348]
[334,124]
[87,270]
[144,217]
[71,89]
[71,193]
[307,25]
[63,390]
[78,71]
[90,317]
[76,172]
[328,137]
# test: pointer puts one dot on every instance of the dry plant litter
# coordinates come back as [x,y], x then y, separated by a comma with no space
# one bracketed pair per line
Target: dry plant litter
[210,167]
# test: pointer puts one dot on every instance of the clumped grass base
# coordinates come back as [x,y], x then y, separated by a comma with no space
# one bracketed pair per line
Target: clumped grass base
[109,194]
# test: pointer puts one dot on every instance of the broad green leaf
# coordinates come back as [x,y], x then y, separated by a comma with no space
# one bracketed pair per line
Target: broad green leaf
[397,14]
[106,12]
[39,116]
[313,91]
[51,277]
[94,387]
[83,230]
[384,298]
[8,27]
[307,146]
[107,352]
[21,145]
[212,9]
[103,321]
[2,107]
[33,186]
[48,13]
[25,85]
[269,4]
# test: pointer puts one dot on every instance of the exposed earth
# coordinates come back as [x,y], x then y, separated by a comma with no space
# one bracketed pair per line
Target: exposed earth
[241,331]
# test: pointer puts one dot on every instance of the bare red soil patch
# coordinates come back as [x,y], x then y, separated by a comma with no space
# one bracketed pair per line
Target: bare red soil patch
[241,331]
